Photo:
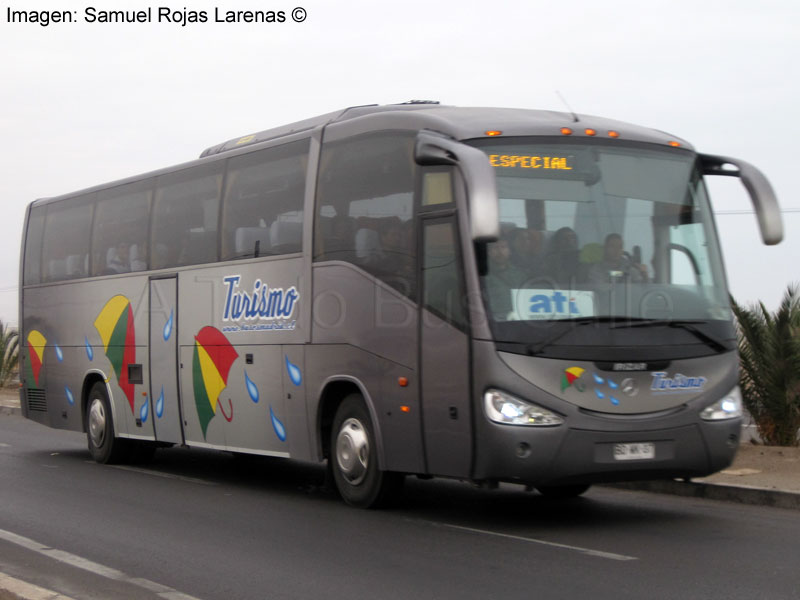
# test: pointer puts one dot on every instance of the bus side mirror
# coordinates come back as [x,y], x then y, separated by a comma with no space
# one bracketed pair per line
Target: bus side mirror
[435,149]
[758,187]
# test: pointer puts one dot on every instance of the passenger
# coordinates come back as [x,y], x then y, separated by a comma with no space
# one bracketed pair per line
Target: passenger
[562,261]
[138,253]
[526,251]
[118,259]
[502,277]
[616,264]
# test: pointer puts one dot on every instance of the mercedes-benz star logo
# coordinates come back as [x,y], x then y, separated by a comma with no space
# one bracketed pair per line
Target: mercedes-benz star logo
[629,387]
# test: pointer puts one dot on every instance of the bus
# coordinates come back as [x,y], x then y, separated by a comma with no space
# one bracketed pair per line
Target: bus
[484,294]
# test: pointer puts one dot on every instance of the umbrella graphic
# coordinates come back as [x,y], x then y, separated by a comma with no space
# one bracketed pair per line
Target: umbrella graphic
[569,378]
[115,326]
[36,344]
[211,363]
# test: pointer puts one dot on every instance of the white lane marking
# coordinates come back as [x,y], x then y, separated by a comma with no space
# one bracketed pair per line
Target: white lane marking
[519,538]
[87,565]
[157,474]
[23,589]
[2,445]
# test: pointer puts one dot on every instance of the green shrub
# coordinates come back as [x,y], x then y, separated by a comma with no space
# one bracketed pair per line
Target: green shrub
[769,348]
[9,352]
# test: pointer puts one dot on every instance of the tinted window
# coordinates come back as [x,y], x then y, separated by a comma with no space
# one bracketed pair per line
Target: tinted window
[119,243]
[263,207]
[441,273]
[65,252]
[33,246]
[366,206]
[185,217]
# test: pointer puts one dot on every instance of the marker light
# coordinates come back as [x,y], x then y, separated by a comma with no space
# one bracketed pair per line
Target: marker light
[727,407]
[675,144]
[504,408]
[566,131]
[493,133]
[591,132]
[613,134]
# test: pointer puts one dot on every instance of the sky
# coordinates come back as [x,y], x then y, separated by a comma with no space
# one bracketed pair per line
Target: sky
[83,103]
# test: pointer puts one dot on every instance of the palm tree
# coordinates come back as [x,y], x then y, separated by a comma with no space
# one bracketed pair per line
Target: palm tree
[769,348]
[9,355]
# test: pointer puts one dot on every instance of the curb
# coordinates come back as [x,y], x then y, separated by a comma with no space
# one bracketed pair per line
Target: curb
[16,589]
[717,491]
[10,410]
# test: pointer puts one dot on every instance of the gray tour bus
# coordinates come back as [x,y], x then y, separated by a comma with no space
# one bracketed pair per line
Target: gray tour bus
[493,295]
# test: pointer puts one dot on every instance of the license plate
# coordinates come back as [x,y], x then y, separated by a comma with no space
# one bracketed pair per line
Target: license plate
[637,451]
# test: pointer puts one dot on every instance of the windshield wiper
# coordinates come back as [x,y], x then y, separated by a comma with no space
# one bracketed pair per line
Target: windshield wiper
[687,325]
[534,349]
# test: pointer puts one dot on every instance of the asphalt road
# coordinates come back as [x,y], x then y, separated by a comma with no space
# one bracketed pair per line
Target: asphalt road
[212,526]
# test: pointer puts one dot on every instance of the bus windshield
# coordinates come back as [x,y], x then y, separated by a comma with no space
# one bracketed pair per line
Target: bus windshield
[620,236]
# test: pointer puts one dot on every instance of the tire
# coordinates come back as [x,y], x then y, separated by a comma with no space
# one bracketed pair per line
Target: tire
[563,491]
[353,458]
[105,448]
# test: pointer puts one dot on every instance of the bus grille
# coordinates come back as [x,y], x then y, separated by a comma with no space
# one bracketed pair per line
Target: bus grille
[36,400]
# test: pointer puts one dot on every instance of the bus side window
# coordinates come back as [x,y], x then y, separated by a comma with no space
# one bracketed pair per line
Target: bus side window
[33,246]
[441,276]
[119,240]
[185,217]
[365,206]
[67,232]
[262,210]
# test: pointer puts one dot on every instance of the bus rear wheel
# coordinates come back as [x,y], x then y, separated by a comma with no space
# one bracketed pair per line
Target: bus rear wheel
[105,448]
[353,458]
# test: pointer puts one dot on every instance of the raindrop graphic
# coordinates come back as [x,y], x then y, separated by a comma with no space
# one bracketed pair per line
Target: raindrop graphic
[599,394]
[145,410]
[597,379]
[168,326]
[614,401]
[59,353]
[70,397]
[612,385]
[89,351]
[294,372]
[251,388]
[280,430]
[160,404]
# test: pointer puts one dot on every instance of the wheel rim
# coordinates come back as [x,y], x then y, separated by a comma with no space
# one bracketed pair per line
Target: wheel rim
[97,423]
[352,451]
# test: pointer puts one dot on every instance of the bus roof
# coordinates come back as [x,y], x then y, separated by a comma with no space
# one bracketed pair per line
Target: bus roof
[461,123]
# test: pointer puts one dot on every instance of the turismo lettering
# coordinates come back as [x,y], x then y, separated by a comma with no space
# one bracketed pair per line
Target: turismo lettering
[530,162]
[679,383]
[262,302]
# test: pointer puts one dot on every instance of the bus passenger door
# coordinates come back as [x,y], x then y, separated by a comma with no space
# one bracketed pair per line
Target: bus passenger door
[164,391]
[444,350]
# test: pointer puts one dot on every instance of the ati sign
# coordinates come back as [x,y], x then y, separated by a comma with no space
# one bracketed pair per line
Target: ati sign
[536,305]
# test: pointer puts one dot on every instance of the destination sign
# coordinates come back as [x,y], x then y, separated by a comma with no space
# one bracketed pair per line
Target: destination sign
[520,161]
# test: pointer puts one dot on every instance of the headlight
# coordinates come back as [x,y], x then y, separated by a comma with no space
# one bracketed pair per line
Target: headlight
[728,407]
[509,410]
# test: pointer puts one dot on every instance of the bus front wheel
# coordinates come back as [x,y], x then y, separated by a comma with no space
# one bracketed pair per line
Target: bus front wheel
[354,458]
[105,448]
